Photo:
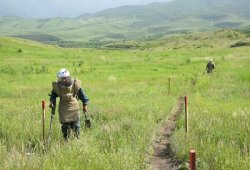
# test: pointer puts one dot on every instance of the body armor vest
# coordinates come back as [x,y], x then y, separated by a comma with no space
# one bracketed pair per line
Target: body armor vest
[68,104]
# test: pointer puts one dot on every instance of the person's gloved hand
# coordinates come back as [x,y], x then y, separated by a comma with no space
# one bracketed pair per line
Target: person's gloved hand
[85,108]
[51,105]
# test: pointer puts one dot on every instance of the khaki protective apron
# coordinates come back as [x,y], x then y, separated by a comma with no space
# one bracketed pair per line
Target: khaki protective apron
[68,104]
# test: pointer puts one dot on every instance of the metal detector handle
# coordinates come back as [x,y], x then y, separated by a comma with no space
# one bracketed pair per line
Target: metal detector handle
[53,109]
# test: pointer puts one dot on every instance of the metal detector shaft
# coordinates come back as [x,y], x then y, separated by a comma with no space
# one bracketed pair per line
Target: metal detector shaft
[43,120]
[50,127]
[51,120]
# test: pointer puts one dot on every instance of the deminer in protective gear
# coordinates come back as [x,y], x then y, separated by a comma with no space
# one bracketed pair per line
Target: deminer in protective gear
[210,66]
[69,91]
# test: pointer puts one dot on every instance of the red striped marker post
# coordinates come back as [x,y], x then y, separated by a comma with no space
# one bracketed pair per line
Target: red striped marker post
[43,120]
[192,161]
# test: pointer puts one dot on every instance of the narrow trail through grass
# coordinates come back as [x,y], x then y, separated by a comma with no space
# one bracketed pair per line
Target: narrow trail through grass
[163,158]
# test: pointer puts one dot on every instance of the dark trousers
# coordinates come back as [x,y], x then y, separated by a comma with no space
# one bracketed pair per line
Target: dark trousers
[71,126]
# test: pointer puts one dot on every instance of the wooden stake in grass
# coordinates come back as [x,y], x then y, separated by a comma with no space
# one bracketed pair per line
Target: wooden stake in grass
[192,158]
[186,114]
[43,120]
[169,85]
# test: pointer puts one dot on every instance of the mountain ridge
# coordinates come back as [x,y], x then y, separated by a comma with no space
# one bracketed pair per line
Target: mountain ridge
[135,22]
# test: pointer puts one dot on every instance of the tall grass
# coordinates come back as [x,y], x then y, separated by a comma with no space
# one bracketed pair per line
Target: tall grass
[219,117]
[129,100]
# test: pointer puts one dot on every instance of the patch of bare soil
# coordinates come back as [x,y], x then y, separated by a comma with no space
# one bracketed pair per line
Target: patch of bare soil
[163,158]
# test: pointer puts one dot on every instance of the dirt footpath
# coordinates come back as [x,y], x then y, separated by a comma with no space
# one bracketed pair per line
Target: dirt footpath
[163,157]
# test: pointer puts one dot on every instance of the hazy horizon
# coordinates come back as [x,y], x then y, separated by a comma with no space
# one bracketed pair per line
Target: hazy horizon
[62,8]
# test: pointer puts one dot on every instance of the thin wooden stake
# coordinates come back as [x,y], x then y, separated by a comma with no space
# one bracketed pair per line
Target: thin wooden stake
[186,114]
[169,85]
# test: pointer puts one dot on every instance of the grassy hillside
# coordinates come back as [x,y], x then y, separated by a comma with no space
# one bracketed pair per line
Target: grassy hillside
[119,87]
[130,100]
[132,22]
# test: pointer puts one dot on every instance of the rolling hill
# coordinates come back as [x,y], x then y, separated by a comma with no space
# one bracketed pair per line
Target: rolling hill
[131,98]
[132,22]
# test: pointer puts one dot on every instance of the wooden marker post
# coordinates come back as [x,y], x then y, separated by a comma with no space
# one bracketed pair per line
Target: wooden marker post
[186,114]
[43,120]
[192,160]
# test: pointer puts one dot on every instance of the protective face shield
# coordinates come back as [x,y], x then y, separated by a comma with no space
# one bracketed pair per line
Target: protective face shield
[63,73]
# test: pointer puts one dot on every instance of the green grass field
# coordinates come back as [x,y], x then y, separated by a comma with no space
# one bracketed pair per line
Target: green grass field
[129,101]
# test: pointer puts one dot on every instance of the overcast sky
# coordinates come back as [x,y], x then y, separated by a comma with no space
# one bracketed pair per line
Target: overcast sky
[62,8]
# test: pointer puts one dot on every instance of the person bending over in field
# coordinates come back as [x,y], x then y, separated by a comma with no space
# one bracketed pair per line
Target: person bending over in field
[210,66]
[69,90]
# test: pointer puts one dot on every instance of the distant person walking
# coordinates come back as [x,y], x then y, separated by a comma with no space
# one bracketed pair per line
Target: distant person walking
[210,66]
[69,90]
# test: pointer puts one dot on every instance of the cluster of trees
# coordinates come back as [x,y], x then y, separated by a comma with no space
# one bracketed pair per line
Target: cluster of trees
[39,37]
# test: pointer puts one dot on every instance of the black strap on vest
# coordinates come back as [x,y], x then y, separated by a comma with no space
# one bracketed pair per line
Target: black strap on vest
[74,94]
[59,87]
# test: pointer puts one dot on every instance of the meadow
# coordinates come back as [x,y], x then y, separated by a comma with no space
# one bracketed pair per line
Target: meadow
[130,100]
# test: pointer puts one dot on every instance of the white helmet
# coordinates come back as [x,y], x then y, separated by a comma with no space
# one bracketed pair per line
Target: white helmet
[63,73]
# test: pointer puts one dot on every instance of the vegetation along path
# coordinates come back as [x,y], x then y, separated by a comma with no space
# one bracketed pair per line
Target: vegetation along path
[163,157]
